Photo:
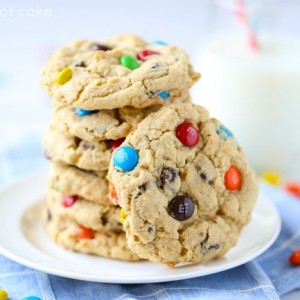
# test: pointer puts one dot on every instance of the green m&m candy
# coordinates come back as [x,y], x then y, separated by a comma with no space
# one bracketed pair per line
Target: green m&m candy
[129,62]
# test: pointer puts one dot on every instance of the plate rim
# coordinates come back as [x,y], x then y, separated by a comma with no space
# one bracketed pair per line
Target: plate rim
[121,280]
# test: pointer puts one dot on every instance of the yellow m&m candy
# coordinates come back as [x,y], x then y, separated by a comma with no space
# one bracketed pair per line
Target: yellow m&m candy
[64,76]
[272,178]
[3,295]
[123,216]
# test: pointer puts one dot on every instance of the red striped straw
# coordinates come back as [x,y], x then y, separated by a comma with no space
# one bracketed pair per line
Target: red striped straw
[244,18]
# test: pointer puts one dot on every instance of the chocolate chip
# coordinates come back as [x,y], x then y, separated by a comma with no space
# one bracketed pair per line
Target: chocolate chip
[214,247]
[168,175]
[104,220]
[149,229]
[142,189]
[117,230]
[97,47]
[204,178]
[87,146]
[181,207]
[49,215]
[80,64]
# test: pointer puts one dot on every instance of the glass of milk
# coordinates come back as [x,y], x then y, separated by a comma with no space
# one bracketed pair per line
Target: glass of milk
[257,93]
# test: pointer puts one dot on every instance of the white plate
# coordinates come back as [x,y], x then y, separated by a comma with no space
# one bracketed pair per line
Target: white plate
[23,239]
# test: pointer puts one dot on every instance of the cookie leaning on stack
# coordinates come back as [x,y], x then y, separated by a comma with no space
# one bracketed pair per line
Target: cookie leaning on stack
[101,91]
[184,185]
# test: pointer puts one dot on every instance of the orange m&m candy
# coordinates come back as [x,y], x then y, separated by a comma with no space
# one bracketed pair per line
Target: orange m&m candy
[113,194]
[233,179]
[295,258]
[85,233]
[293,188]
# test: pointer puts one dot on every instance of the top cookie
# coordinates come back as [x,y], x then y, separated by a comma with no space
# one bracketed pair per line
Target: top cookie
[184,184]
[121,71]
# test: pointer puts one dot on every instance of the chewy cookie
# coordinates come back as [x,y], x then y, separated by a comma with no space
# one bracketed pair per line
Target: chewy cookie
[118,72]
[184,184]
[88,214]
[71,150]
[70,181]
[99,125]
[73,236]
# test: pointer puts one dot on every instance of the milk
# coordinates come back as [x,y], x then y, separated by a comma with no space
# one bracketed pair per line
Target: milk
[257,95]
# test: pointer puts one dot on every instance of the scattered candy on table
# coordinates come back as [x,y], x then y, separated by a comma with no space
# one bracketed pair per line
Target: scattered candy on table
[31,298]
[3,295]
[272,178]
[159,43]
[295,258]
[117,143]
[164,95]
[64,76]
[123,215]
[125,158]
[187,134]
[129,62]
[85,233]
[97,47]
[83,112]
[69,201]
[145,53]
[233,179]
[293,188]
[181,207]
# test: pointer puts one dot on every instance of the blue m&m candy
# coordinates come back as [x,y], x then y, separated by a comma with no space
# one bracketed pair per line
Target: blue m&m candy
[225,134]
[125,158]
[82,112]
[159,43]
[31,298]
[164,95]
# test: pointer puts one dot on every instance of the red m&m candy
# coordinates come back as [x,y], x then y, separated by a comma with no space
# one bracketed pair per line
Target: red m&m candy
[145,53]
[293,188]
[233,179]
[295,258]
[85,233]
[116,143]
[69,201]
[187,134]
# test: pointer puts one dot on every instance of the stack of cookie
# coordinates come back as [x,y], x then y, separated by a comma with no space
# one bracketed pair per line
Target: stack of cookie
[101,92]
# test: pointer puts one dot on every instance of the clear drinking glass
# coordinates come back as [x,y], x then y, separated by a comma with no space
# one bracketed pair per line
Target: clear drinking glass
[251,80]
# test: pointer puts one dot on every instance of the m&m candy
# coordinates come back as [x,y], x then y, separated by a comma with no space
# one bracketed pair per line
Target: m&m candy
[159,43]
[31,298]
[113,194]
[293,188]
[123,215]
[97,47]
[83,112]
[233,179]
[181,207]
[85,233]
[68,201]
[145,53]
[129,62]
[116,143]
[187,134]
[272,178]
[295,258]
[125,158]
[164,95]
[64,76]
[3,295]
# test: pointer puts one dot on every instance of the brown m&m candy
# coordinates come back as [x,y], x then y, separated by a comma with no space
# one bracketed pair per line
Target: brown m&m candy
[181,207]
[97,47]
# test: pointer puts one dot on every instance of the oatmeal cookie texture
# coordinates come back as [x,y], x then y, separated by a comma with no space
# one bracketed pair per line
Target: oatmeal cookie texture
[118,72]
[71,235]
[184,185]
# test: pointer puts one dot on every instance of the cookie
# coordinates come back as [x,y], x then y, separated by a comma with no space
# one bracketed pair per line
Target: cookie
[118,72]
[73,236]
[88,214]
[63,148]
[71,181]
[185,186]
[101,125]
